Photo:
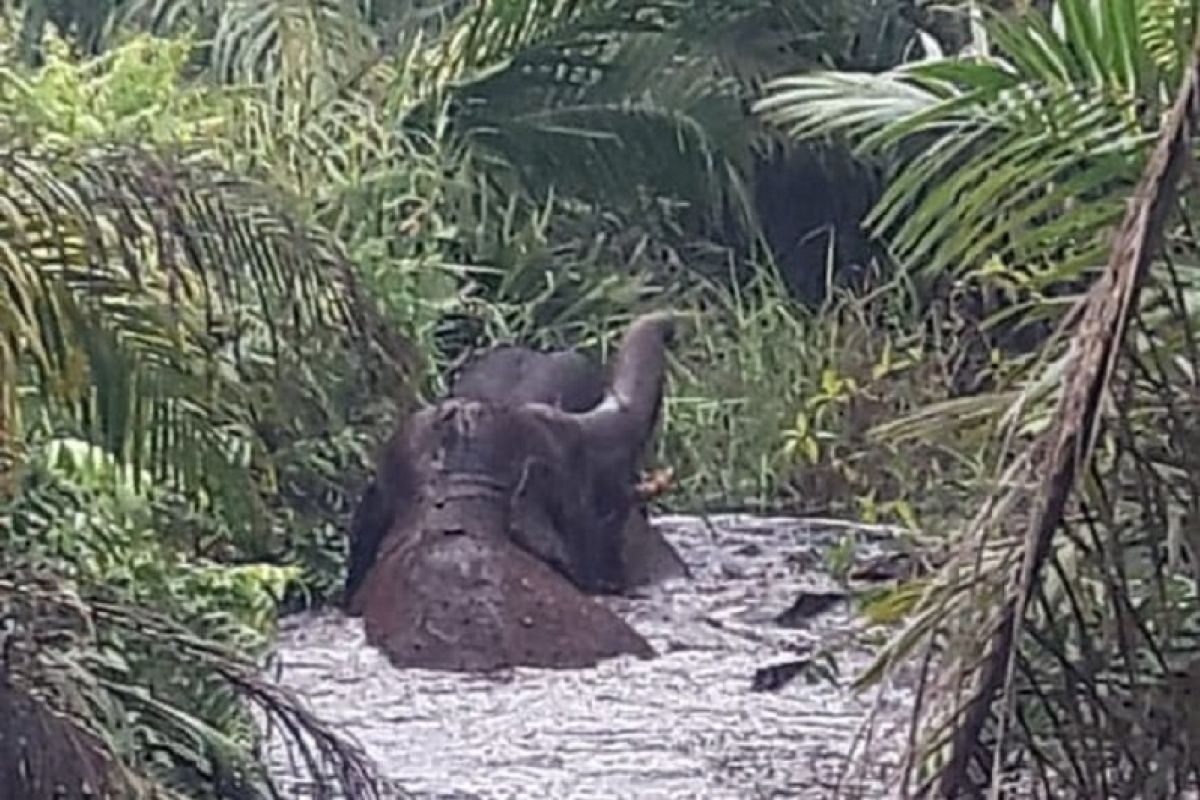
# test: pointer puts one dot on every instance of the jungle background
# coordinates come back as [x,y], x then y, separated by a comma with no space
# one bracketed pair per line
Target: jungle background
[238,238]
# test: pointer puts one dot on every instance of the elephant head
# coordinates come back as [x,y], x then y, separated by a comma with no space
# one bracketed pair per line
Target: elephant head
[493,512]
[514,376]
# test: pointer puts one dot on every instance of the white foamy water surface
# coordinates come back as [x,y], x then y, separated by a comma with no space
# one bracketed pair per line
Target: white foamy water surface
[683,725]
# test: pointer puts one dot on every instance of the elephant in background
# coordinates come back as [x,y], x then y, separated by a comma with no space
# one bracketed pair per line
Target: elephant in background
[495,512]
[513,375]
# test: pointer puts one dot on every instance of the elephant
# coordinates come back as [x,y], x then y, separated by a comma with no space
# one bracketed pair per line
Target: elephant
[495,513]
[567,379]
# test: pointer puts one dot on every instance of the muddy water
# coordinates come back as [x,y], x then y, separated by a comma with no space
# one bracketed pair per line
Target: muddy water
[686,724]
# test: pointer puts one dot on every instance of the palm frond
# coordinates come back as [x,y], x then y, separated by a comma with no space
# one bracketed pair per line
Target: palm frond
[532,81]
[80,728]
[612,117]
[757,41]
[305,44]
[88,24]
[256,41]
[997,616]
[1024,152]
[150,297]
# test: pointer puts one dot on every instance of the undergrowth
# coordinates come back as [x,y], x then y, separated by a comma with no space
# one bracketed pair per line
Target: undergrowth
[772,407]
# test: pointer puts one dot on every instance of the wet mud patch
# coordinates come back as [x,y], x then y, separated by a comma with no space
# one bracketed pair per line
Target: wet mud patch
[707,718]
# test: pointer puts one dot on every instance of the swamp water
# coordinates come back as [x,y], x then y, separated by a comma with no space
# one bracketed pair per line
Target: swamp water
[687,724]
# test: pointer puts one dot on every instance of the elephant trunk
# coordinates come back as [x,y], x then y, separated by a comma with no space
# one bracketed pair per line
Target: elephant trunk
[631,405]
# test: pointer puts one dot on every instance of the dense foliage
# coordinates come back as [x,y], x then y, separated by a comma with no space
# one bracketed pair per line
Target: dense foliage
[237,238]
[1060,636]
[226,264]
[180,354]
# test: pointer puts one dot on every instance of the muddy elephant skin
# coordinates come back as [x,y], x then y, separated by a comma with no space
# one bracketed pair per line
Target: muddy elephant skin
[514,376]
[508,375]
[496,511]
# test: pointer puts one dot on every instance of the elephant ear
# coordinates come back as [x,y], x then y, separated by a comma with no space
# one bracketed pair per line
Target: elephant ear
[371,518]
[446,600]
[392,490]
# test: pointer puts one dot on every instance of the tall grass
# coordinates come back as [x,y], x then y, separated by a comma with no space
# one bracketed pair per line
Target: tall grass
[772,405]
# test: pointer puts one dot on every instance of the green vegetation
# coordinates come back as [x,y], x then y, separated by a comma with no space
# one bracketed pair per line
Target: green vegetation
[237,239]
[1062,629]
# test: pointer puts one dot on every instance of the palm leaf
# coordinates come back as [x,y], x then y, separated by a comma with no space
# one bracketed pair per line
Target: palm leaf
[150,296]
[72,714]
[609,115]
[533,83]
[991,613]
[1023,153]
